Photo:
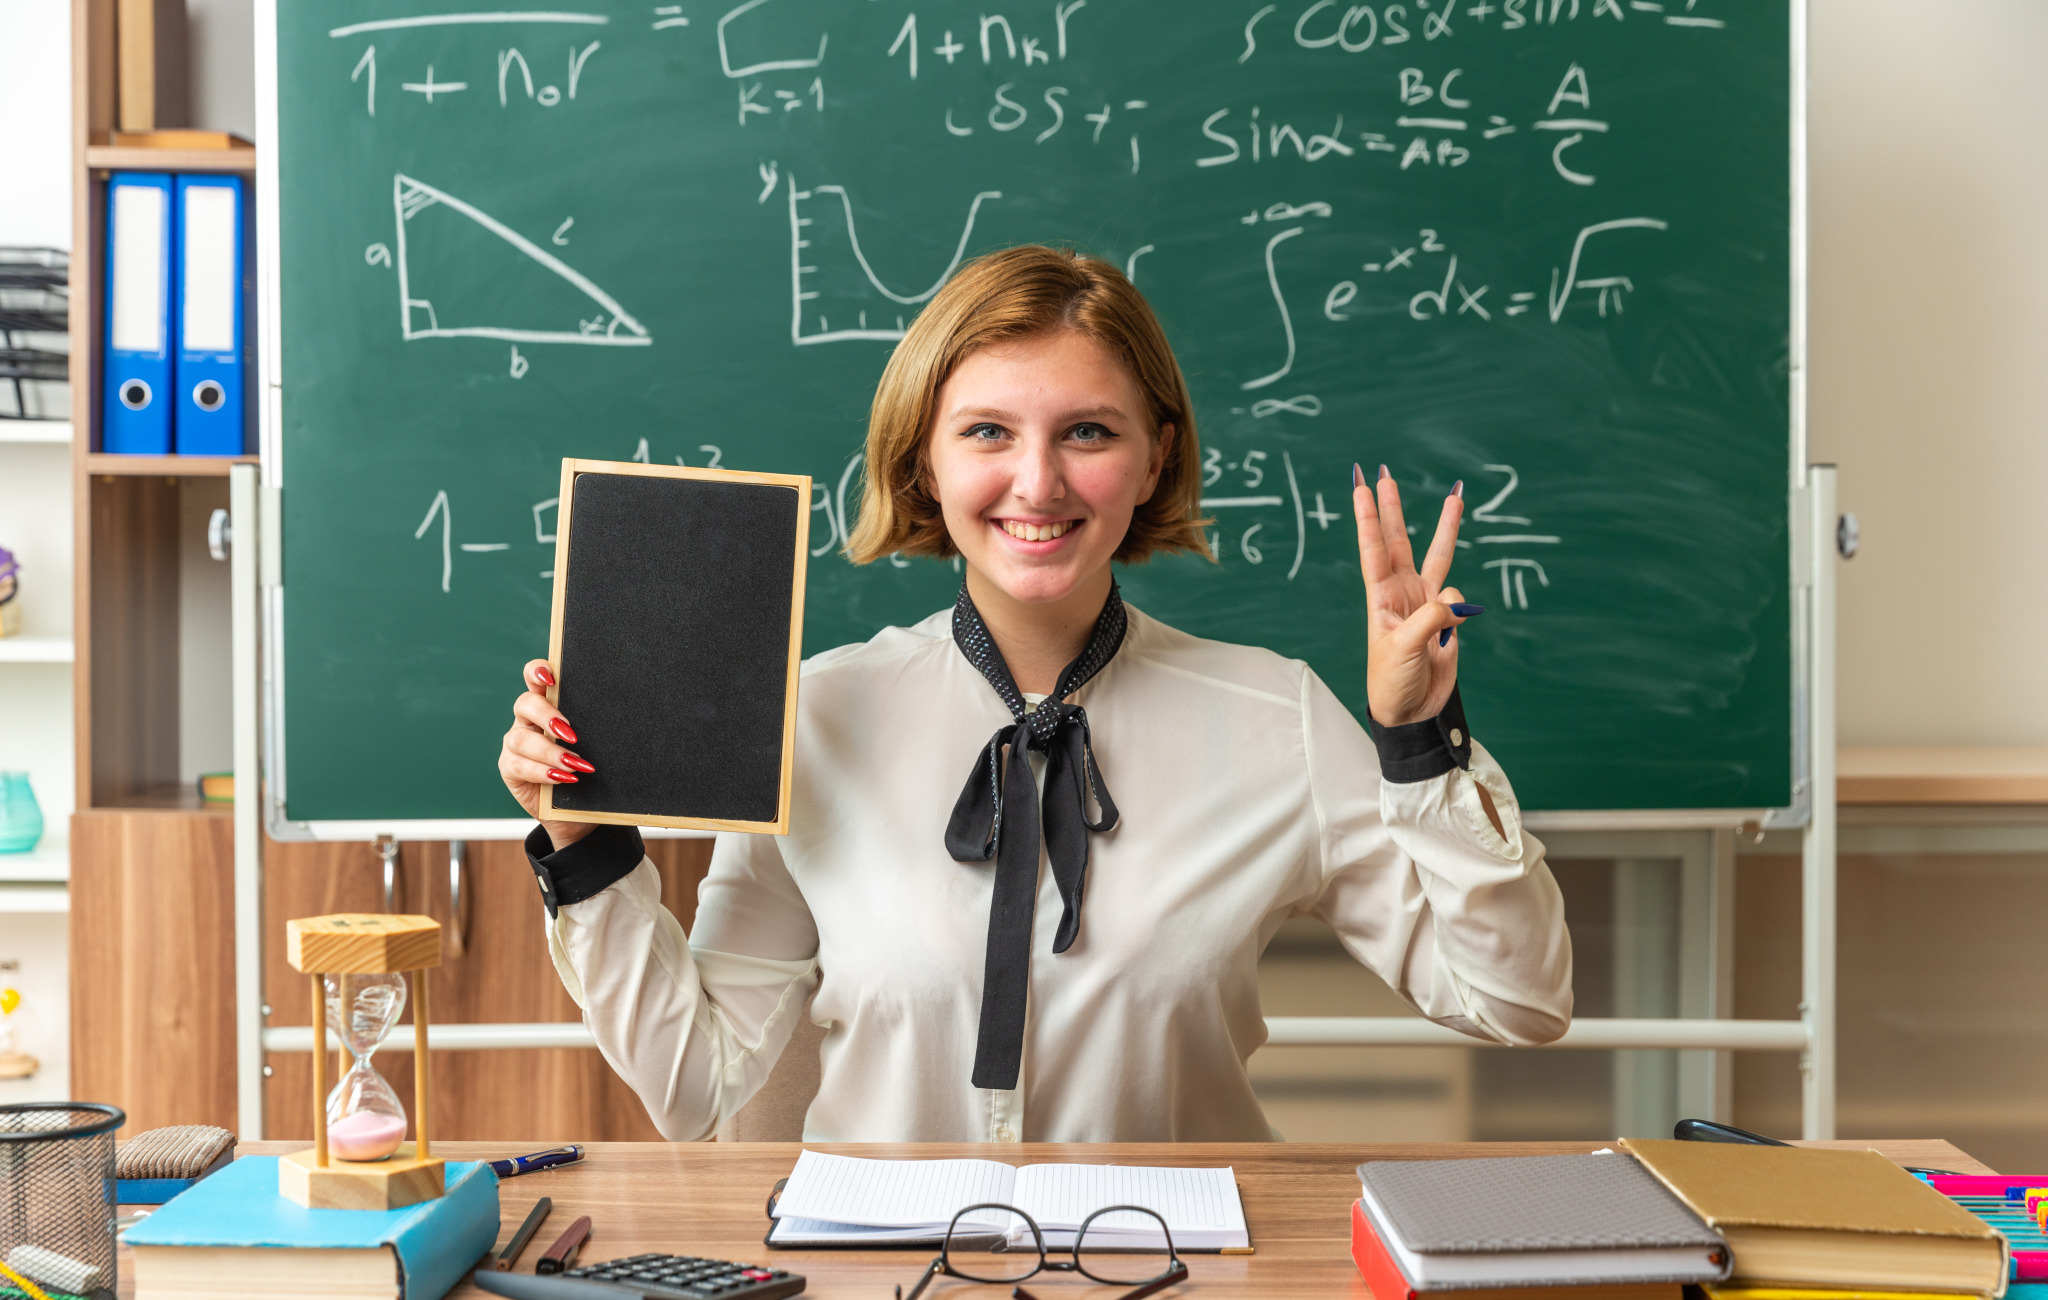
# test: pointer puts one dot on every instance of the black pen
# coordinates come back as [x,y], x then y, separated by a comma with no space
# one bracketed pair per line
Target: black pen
[568,1155]
[510,1255]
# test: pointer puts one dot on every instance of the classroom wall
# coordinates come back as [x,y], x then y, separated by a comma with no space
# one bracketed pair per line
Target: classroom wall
[35,106]
[1929,352]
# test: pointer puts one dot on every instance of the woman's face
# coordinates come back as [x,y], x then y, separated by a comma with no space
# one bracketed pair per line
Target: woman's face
[1041,450]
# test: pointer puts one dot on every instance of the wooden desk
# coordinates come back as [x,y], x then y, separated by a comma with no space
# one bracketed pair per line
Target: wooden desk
[1941,774]
[707,1199]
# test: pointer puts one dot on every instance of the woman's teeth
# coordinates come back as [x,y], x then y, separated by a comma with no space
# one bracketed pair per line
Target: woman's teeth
[1036,532]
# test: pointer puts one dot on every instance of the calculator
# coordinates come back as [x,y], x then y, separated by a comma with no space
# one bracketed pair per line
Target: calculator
[655,1277]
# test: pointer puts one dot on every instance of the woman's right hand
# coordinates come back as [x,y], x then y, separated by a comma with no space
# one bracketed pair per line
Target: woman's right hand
[531,759]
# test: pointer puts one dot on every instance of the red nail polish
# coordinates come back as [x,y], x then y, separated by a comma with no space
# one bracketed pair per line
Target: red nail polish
[559,777]
[577,762]
[545,677]
[562,730]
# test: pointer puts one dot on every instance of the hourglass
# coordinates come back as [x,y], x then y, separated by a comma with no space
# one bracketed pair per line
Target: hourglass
[357,965]
[364,1118]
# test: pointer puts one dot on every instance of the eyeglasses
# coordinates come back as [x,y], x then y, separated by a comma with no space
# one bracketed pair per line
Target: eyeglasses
[977,1254]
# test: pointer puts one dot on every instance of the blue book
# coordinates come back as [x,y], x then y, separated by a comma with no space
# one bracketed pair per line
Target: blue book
[233,1232]
[141,286]
[211,374]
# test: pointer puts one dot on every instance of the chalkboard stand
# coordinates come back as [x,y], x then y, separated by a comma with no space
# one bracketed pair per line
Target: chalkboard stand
[799,487]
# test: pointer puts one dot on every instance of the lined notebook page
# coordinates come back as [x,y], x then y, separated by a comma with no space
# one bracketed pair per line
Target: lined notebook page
[891,1193]
[1190,1200]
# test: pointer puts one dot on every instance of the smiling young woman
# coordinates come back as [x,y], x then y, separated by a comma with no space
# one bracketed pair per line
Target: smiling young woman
[1034,423]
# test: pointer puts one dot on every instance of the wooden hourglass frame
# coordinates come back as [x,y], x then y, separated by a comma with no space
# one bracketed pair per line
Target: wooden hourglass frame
[359,943]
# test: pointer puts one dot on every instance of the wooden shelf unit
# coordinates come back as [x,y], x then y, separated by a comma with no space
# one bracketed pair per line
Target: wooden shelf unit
[152,917]
[102,463]
[126,509]
[105,158]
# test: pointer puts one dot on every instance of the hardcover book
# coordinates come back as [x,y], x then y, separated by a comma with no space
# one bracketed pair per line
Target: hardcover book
[232,1234]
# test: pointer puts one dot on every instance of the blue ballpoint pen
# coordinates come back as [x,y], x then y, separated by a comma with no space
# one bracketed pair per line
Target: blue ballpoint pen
[568,1155]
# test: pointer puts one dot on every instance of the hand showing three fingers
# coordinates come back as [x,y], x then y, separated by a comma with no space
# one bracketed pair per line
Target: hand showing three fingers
[1411,665]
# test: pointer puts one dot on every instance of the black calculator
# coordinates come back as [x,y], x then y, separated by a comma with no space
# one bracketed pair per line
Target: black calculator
[656,1277]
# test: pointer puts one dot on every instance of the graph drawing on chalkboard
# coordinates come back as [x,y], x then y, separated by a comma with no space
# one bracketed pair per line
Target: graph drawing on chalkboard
[677,631]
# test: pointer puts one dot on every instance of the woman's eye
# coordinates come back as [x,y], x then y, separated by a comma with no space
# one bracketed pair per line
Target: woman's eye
[1089,433]
[984,432]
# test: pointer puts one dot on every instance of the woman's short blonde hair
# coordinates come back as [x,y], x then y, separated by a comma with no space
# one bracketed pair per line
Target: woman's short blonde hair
[1015,294]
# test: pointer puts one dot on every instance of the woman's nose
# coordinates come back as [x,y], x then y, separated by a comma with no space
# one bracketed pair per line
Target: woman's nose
[1038,481]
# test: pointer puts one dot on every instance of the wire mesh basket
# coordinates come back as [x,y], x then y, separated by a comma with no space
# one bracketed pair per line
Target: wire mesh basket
[35,302]
[57,1198]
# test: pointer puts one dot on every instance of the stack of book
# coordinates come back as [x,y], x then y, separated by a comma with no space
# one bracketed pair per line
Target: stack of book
[1743,1222]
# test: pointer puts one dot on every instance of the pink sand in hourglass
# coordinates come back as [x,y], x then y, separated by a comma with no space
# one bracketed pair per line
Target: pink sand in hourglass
[365,1135]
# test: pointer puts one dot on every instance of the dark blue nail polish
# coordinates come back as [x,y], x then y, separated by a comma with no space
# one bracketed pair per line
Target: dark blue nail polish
[1384,474]
[1458,489]
[1443,638]
[1357,475]
[1463,610]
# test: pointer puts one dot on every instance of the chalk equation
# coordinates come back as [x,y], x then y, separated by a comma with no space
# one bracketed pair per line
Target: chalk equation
[441,510]
[1434,121]
[1263,516]
[779,60]
[1411,265]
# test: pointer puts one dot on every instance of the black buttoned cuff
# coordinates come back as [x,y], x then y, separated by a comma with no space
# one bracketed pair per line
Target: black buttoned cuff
[586,868]
[1419,751]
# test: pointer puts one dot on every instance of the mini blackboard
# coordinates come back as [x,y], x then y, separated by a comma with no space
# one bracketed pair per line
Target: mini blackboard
[678,627]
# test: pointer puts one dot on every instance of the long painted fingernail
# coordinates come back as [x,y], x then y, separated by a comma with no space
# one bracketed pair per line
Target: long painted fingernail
[562,730]
[577,762]
[543,676]
[1357,475]
[1458,489]
[1463,610]
[1383,473]
[1443,638]
[559,777]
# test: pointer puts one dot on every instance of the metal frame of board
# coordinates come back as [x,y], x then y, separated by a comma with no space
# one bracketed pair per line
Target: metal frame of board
[259,750]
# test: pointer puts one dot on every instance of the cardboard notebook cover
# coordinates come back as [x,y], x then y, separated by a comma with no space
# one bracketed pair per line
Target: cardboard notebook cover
[1384,1276]
[435,1242]
[1827,1201]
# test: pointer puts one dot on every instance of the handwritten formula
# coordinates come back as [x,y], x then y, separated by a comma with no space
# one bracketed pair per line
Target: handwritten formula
[1412,113]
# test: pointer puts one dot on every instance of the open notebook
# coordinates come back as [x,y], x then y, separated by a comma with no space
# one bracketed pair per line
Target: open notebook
[845,1201]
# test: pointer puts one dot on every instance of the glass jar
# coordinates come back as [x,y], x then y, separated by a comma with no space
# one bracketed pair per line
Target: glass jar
[21,818]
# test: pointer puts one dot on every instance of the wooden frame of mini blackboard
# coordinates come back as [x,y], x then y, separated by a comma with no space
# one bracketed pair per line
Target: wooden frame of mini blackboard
[564,519]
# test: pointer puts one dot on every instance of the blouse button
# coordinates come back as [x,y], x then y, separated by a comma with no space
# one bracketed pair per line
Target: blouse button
[1006,1134]
[1457,736]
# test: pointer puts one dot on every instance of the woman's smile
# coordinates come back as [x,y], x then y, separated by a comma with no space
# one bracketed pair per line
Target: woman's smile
[1039,535]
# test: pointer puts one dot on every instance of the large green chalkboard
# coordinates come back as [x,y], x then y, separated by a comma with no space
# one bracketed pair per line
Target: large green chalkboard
[1538,245]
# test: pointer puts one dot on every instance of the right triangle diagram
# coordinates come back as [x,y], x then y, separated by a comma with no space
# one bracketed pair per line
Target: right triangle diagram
[462,273]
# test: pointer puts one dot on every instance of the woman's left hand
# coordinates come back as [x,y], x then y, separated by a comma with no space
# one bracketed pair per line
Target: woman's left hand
[1409,673]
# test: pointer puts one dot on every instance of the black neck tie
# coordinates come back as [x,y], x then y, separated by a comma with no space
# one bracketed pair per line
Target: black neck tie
[998,816]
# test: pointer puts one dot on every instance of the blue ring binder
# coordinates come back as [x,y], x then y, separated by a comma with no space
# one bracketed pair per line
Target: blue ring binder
[141,283]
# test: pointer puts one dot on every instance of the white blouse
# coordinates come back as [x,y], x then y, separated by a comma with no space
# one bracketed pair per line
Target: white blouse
[1248,794]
